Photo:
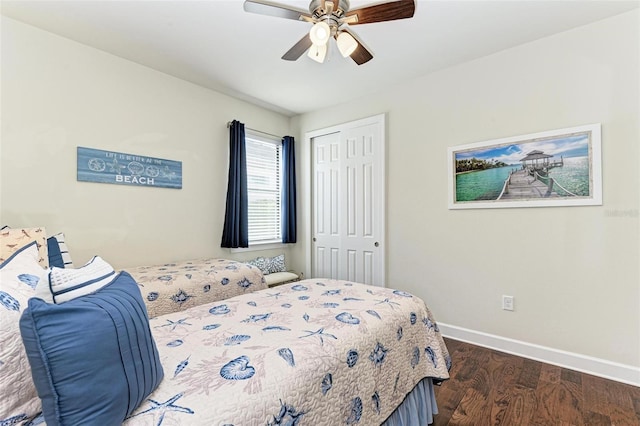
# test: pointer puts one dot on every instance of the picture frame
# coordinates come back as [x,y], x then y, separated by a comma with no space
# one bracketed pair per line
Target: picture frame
[552,168]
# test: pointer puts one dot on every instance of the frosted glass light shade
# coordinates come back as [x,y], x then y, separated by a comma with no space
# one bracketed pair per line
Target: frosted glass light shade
[346,44]
[320,33]
[318,52]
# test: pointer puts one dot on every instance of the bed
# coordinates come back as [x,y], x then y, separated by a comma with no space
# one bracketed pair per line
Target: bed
[174,287]
[314,352]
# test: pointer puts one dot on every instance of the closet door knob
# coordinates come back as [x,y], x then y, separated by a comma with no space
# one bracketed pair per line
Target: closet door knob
[376,244]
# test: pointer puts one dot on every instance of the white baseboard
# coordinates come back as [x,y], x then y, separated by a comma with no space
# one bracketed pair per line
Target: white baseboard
[595,366]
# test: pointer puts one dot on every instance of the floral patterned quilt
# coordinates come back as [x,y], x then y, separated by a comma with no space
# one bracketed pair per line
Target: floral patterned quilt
[314,352]
[174,287]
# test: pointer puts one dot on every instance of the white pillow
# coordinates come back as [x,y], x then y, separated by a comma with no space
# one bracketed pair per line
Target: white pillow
[63,284]
[19,275]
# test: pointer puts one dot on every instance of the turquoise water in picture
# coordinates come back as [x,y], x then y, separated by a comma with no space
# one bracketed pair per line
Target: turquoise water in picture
[482,185]
[574,176]
[487,184]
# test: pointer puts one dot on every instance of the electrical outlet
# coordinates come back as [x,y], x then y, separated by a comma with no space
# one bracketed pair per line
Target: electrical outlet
[507,303]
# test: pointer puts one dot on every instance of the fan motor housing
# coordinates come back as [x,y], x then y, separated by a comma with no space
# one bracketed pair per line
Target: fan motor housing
[317,7]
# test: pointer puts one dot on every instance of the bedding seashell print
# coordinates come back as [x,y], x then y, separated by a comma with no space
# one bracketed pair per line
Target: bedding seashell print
[361,357]
[238,369]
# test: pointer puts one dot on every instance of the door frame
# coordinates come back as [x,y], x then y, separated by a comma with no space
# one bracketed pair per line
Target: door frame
[379,119]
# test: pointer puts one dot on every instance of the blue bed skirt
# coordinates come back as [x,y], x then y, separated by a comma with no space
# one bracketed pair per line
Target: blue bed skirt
[417,409]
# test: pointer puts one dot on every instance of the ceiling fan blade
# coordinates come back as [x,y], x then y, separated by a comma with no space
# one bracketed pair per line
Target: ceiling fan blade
[274,9]
[361,55]
[298,49]
[390,11]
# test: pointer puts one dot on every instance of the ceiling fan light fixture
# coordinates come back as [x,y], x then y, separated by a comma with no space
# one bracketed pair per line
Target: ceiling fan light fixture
[318,52]
[330,19]
[320,33]
[346,43]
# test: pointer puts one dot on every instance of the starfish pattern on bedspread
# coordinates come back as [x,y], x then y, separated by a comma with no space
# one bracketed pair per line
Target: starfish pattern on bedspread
[320,332]
[164,407]
[174,324]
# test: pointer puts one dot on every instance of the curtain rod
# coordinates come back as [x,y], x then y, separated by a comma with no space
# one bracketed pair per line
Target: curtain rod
[256,131]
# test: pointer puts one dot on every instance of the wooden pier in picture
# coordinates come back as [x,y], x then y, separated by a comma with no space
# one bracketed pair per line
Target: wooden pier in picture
[521,185]
[532,180]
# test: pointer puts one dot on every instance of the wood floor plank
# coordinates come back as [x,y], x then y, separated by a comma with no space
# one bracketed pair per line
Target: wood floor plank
[530,374]
[570,402]
[473,409]
[596,419]
[503,371]
[571,376]
[448,400]
[623,416]
[493,388]
[613,400]
[636,404]
[550,373]
[521,406]
[546,408]
[472,359]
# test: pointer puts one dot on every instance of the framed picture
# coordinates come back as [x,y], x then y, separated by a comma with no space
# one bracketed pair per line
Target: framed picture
[553,168]
[96,165]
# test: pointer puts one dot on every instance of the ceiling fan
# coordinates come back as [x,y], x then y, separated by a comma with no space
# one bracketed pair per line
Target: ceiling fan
[332,19]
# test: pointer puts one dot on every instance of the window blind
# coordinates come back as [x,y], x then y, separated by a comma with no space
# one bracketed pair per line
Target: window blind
[264,189]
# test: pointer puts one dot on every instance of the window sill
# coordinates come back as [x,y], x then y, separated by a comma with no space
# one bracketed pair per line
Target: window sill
[260,246]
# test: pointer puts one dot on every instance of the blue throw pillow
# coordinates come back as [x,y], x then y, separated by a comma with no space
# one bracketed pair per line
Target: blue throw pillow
[93,358]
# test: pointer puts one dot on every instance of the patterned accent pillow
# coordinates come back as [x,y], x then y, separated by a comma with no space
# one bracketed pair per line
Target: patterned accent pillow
[11,240]
[64,284]
[259,263]
[19,275]
[274,264]
[93,358]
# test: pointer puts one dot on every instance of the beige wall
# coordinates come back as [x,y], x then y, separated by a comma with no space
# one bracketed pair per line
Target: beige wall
[574,271]
[57,95]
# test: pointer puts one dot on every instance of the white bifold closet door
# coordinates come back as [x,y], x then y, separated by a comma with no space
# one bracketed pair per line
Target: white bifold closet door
[348,202]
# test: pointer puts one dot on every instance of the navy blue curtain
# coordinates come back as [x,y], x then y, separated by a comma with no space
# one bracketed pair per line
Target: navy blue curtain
[236,219]
[288,190]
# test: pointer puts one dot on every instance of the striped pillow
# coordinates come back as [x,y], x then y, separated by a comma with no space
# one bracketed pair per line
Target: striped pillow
[64,284]
[63,260]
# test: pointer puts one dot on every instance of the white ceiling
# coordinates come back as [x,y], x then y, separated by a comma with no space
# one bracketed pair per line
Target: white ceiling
[217,45]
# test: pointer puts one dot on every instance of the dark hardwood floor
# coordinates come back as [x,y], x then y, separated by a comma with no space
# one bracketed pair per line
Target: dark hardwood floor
[488,387]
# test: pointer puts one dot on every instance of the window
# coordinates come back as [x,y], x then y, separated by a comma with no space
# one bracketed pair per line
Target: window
[264,174]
